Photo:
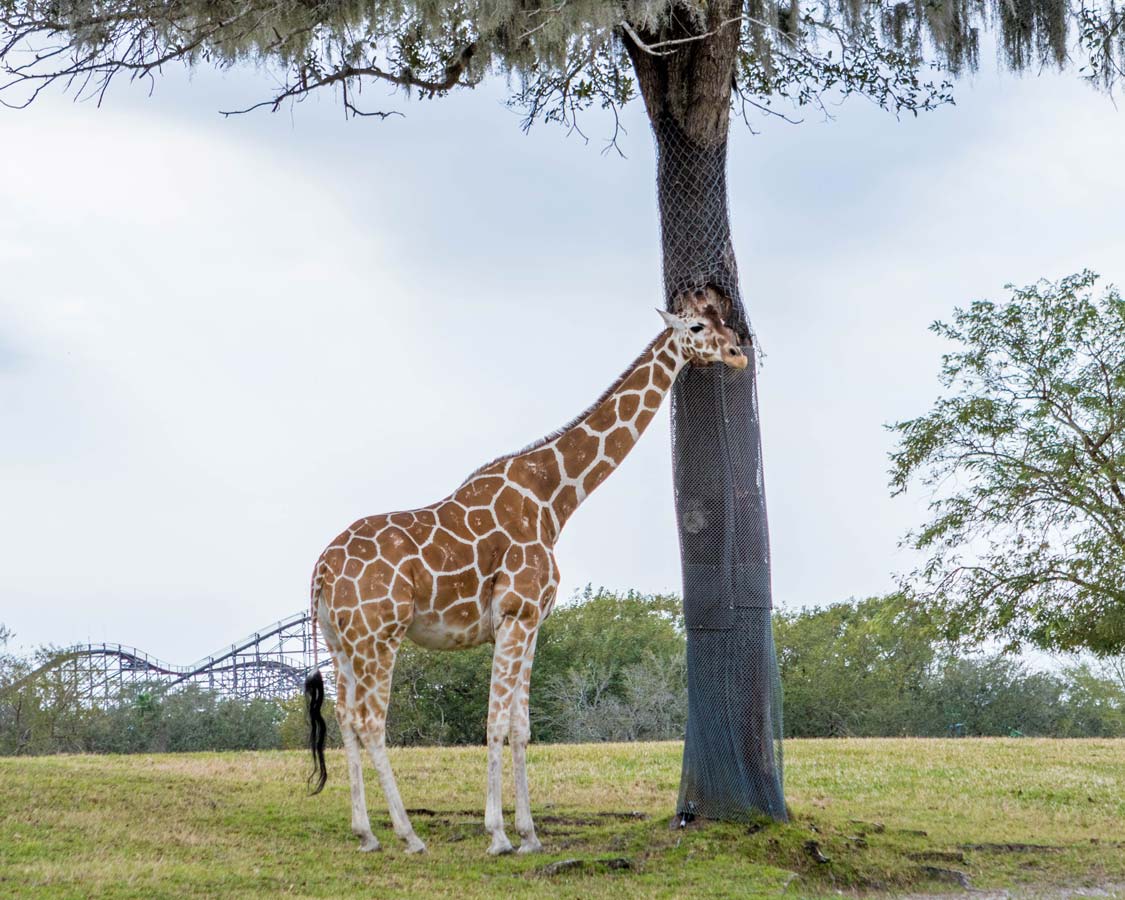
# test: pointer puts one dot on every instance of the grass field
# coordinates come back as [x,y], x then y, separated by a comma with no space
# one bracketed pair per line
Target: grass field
[889,816]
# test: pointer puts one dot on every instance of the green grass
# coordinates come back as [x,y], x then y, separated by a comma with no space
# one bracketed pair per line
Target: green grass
[881,811]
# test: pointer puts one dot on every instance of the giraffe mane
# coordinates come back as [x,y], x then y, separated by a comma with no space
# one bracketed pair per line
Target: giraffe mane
[559,432]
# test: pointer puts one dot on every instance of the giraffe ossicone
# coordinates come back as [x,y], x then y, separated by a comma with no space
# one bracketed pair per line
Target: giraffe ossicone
[479,566]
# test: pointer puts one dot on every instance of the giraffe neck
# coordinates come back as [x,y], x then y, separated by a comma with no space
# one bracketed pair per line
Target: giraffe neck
[566,468]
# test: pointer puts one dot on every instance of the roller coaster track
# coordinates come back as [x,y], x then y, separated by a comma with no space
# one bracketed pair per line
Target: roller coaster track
[273,662]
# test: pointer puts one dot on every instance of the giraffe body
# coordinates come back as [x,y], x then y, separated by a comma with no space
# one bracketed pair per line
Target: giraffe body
[479,566]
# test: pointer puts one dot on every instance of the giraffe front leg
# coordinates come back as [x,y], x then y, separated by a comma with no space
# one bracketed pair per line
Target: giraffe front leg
[519,738]
[507,660]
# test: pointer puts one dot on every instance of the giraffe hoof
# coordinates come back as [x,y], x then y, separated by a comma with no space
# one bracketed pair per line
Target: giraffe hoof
[500,847]
[532,846]
[369,845]
[415,845]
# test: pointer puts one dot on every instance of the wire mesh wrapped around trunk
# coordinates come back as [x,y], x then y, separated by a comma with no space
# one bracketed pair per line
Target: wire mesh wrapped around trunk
[732,765]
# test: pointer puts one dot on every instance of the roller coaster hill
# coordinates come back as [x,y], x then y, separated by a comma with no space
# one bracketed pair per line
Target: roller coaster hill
[272,663]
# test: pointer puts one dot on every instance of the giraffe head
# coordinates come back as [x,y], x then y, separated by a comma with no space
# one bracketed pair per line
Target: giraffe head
[698,326]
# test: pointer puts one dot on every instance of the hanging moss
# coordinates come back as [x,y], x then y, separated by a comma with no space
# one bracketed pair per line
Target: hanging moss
[561,55]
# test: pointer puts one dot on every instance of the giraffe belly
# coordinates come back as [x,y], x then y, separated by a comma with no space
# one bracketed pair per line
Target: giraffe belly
[435,631]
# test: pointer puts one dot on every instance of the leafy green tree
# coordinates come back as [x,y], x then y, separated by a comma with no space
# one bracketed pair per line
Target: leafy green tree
[439,697]
[591,650]
[1094,704]
[145,719]
[293,729]
[135,723]
[881,667]
[50,718]
[1113,669]
[856,668]
[994,695]
[194,719]
[1025,458]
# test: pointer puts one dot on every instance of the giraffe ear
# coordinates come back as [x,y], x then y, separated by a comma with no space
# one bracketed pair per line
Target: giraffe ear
[672,321]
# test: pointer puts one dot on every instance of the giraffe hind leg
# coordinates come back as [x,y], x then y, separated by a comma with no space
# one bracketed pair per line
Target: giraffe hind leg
[361,823]
[369,721]
[345,698]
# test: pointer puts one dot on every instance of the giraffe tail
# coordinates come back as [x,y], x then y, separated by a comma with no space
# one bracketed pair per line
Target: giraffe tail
[318,731]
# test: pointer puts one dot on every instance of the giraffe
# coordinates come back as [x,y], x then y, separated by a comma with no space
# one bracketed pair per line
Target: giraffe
[479,566]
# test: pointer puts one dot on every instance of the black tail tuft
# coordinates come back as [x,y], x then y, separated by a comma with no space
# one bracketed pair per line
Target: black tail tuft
[318,731]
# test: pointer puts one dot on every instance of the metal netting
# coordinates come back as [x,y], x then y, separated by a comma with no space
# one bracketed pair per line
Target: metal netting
[732,765]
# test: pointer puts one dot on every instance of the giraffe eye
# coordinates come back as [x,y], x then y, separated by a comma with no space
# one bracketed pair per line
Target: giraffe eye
[695,329]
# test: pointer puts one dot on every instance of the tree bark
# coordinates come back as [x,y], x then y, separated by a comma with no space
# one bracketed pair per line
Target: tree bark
[732,761]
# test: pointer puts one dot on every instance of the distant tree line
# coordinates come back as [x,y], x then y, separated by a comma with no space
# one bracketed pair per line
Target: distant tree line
[882,667]
[610,667]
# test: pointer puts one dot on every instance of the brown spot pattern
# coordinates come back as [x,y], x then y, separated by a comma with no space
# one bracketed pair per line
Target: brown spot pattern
[478,492]
[618,443]
[538,472]
[481,521]
[566,503]
[447,553]
[597,475]
[604,416]
[579,449]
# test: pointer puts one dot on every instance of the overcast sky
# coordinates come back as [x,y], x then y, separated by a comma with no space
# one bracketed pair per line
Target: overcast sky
[221,341]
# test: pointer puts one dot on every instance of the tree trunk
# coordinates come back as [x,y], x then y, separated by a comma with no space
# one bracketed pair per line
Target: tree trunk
[732,759]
